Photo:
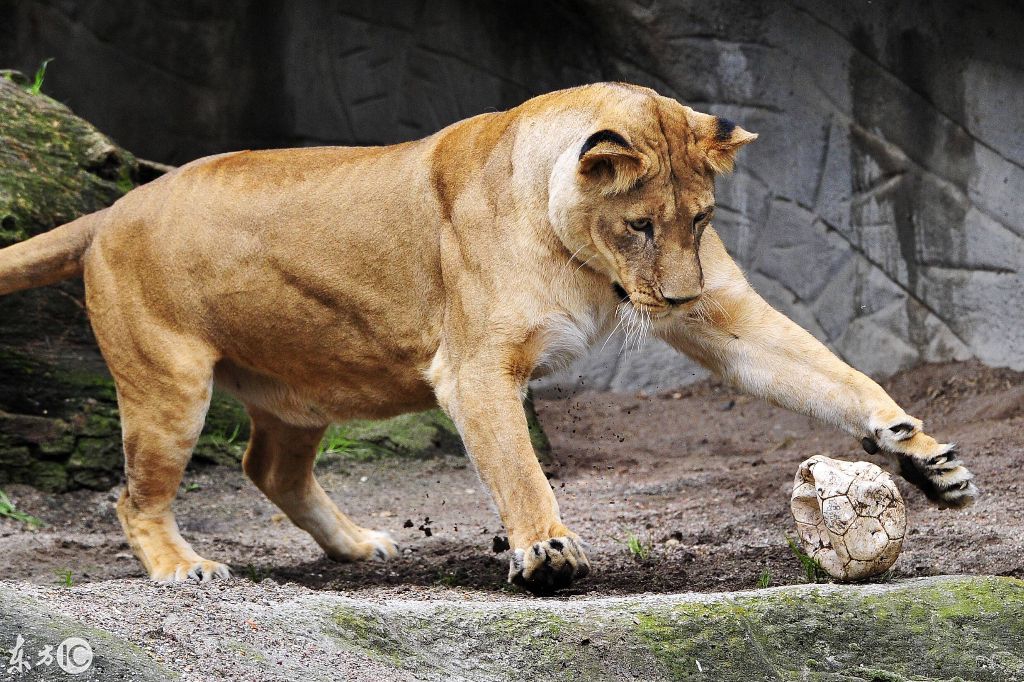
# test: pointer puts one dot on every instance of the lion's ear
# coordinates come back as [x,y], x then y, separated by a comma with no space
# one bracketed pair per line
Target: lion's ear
[610,161]
[719,139]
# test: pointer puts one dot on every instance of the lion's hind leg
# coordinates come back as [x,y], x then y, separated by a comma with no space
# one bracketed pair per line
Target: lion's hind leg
[279,460]
[163,392]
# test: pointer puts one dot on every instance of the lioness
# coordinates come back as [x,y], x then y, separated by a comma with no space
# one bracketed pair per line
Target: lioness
[332,283]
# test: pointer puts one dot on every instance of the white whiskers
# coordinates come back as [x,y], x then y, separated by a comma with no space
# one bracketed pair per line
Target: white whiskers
[636,325]
[701,312]
[582,264]
[573,256]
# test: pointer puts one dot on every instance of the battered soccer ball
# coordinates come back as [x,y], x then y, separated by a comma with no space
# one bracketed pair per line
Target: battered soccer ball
[850,517]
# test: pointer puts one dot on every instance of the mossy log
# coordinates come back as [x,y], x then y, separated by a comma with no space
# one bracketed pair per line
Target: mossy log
[420,434]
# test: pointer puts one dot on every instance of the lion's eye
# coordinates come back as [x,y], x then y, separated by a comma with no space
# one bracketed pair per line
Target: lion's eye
[701,217]
[644,226]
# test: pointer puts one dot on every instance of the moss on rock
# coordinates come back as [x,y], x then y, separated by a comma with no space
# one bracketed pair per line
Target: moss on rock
[60,430]
[945,628]
[971,628]
[54,166]
[419,434]
[59,426]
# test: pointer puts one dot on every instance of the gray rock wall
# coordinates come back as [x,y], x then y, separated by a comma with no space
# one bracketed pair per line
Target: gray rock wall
[879,207]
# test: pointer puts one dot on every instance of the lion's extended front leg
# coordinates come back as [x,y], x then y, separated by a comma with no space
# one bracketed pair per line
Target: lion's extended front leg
[486,406]
[735,333]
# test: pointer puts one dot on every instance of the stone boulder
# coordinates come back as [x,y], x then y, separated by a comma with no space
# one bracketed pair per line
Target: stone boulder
[925,629]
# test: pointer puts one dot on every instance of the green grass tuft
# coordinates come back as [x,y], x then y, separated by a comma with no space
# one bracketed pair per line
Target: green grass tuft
[255,573]
[37,83]
[8,510]
[64,578]
[640,549]
[448,578]
[812,569]
[765,579]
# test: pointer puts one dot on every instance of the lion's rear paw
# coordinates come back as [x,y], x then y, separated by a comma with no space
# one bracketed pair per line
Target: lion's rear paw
[202,571]
[372,545]
[383,545]
[548,565]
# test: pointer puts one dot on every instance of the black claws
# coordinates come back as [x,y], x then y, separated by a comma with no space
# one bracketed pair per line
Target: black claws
[546,580]
[547,577]
[959,495]
[947,460]
[902,428]
[910,472]
[948,495]
[869,445]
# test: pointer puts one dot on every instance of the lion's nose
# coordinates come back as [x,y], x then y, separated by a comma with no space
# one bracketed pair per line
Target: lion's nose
[681,301]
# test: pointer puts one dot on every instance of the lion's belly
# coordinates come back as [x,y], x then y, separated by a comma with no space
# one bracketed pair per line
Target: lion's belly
[332,398]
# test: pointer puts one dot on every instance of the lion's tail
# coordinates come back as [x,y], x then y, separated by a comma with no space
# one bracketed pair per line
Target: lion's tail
[49,257]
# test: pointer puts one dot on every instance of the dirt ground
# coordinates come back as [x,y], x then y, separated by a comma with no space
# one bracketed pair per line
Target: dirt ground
[700,476]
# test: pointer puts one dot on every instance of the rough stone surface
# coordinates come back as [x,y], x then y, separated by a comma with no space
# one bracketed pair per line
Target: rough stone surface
[945,628]
[880,206]
[39,626]
[417,434]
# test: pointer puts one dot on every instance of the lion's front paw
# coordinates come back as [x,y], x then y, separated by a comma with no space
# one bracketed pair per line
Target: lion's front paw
[933,467]
[548,565]
[942,476]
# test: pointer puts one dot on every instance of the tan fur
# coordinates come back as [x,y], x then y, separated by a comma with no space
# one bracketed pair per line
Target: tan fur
[332,283]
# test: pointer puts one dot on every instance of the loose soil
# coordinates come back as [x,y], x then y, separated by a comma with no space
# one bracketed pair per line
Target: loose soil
[700,476]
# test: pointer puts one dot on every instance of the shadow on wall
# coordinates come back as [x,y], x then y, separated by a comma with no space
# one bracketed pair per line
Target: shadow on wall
[879,207]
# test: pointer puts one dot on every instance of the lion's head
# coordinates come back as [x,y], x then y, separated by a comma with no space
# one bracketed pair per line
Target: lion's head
[641,193]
